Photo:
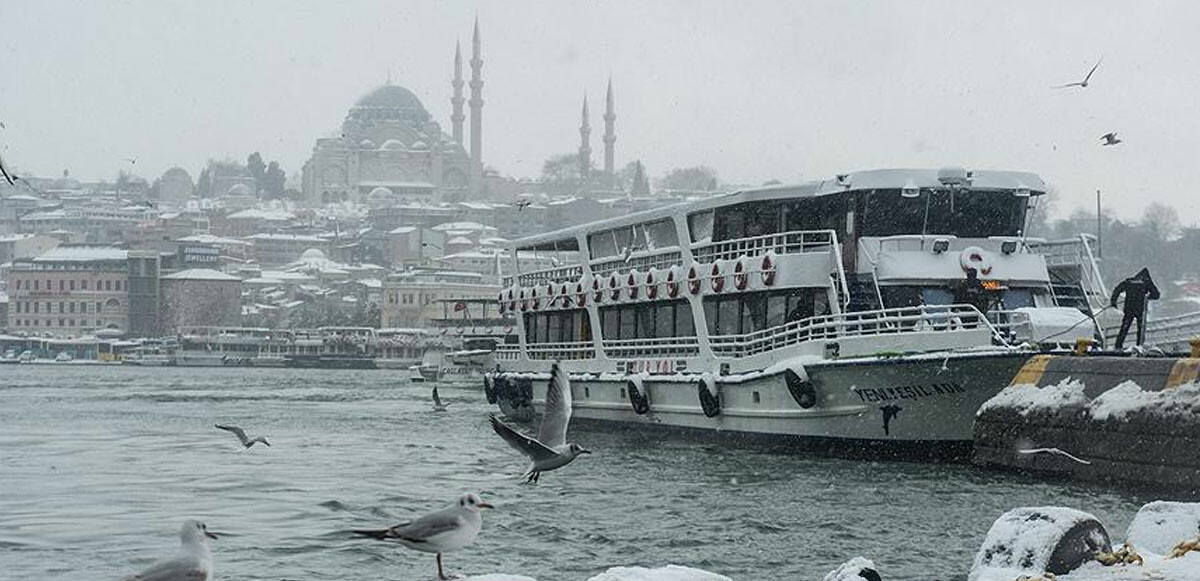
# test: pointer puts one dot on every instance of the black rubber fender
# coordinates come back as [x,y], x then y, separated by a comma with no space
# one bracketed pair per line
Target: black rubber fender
[710,397]
[801,388]
[489,387]
[639,397]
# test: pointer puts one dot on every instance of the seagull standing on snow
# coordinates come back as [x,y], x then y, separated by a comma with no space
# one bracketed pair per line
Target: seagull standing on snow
[1084,83]
[241,434]
[438,406]
[550,450]
[192,563]
[1110,138]
[449,529]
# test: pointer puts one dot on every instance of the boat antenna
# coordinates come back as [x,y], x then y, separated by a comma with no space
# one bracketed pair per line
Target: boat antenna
[1099,228]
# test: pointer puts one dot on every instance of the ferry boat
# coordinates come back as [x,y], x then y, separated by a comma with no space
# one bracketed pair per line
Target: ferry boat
[871,312]
[470,330]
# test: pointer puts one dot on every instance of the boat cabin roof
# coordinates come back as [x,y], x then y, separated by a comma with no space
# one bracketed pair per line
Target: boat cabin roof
[877,179]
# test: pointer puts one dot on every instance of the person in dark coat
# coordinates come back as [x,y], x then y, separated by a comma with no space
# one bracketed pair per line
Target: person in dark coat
[1138,289]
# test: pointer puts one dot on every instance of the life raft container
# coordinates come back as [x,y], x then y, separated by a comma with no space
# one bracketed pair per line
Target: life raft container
[639,398]
[710,396]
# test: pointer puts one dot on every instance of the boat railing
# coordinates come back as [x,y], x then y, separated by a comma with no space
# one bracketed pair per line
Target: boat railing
[572,350]
[1166,331]
[642,262]
[918,319]
[1076,252]
[794,242]
[508,352]
[539,277]
[472,322]
[651,347]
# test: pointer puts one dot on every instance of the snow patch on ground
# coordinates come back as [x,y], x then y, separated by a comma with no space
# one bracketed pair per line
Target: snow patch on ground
[1154,567]
[1128,397]
[497,577]
[849,571]
[1022,540]
[668,573]
[1026,399]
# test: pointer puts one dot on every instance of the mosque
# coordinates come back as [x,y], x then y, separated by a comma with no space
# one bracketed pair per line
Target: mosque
[391,152]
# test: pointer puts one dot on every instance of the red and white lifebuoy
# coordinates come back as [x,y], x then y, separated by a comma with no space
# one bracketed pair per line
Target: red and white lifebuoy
[768,269]
[741,278]
[651,287]
[614,287]
[718,280]
[694,280]
[566,296]
[597,292]
[501,301]
[974,257]
[524,301]
[534,302]
[672,284]
[580,296]
[631,285]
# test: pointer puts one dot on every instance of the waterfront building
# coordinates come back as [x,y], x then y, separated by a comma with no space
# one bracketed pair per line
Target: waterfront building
[200,297]
[280,249]
[70,291]
[411,299]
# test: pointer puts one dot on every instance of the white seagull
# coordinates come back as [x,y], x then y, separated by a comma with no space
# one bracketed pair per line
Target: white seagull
[1110,138]
[438,406]
[192,563]
[241,434]
[550,450]
[449,529]
[1053,451]
[1084,83]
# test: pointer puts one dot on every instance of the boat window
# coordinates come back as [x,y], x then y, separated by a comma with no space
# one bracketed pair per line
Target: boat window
[571,326]
[816,213]
[728,316]
[1017,298]
[554,330]
[966,214]
[776,309]
[610,323]
[661,234]
[602,244]
[664,320]
[685,326]
[937,296]
[700,226]
[648,321]
[628,329]
[901,296]
[754,313]
[645,321]
[887,213]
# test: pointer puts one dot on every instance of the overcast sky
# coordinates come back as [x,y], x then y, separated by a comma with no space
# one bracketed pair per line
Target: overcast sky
[758,90]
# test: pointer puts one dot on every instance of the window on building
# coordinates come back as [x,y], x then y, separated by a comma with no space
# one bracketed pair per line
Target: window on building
[62,285]
[35,285]
[35,306]
[84,284]
[72,284]
[98,309]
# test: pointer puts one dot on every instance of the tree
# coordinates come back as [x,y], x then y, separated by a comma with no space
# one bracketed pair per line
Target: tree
[560,173]
[700,177]
[257,169]
[273,181]
[1161,220]
[640,185]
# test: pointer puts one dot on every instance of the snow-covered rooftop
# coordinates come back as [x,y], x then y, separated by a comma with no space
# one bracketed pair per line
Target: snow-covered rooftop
[82,254]
[200,274]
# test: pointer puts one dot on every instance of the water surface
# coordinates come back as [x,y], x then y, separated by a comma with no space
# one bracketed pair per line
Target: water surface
[99,466]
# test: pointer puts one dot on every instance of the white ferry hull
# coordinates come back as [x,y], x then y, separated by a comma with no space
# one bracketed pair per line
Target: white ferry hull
[929,403]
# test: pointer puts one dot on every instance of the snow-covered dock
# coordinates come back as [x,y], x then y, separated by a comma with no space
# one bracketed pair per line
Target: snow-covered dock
[1097,418]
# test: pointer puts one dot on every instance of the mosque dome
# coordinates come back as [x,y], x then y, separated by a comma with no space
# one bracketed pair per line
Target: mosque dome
[419,145]
[312,255]
[177,173]
[366,144]
[390,102]
[239,190]
[392,145]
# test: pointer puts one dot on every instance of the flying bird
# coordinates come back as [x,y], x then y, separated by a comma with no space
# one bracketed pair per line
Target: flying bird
[1110,138]
[193,562]
[438,406]
[1055,451]
[1084,83]
[130,159]
[550,449]
[449,529]
[241,434]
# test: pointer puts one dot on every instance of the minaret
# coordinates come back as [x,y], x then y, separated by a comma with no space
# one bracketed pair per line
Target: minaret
[610,136]
[476,113]
[585,148]
[456,118]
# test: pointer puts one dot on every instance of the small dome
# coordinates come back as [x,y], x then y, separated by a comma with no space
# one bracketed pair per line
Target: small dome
[177,173]
[312,255]
[392,145]
[419,145]
[392,97]
[239,190]
[366,144]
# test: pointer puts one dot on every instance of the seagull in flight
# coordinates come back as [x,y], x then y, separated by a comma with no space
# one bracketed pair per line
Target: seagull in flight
[241,434]
[1053,451]
[193,562]
[132,160]
[550,449]
[1084,83]
[1110,138]
[438,406]
[449,529]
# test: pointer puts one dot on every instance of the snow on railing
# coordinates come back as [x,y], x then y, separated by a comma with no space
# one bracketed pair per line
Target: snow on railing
[920,319]
[508,352]
[642,263]
[794,242]
[557,274]
[1165,332]
[651,347]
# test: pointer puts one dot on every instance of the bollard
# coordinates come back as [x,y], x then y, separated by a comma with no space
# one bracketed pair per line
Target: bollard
[1082,345]
[1195,343]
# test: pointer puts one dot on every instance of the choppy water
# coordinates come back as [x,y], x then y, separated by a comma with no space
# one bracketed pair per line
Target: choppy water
[98,467]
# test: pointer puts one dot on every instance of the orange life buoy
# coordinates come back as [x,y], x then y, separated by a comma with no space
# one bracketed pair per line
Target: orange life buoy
[501,301]
[768,270]
[740,278]
[694,280]
[718,281]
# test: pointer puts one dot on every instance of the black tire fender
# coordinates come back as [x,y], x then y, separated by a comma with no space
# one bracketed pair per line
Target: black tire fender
[801,388]
[639,397]
[710,396]
[489,387]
